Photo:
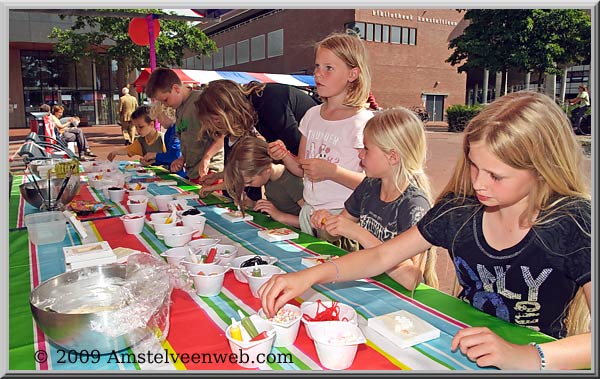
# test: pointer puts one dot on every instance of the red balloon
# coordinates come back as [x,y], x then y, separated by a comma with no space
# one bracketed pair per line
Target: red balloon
[138,31]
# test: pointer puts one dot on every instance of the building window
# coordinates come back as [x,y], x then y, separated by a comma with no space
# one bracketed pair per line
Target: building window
[229,55]
[208,63]
[218,58]
[412,39]
[197,63]
[257,47]
[385,34]
[243,51]
[369,36]
[377,33]
[358,27]
[395,37]
[275,43]
[405,36]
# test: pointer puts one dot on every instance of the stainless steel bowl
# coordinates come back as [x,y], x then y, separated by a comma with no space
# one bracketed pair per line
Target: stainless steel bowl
[36,197]
[81,309]
[35,164]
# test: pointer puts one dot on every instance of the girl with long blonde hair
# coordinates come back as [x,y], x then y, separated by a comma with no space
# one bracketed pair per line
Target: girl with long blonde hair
[394,195]
[516,219]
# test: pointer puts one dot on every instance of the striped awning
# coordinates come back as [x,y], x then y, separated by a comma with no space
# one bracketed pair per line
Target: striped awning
[204,76]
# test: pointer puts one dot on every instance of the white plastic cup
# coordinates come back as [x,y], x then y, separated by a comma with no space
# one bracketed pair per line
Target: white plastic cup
[226,253]
[137,204]
[175,255]
[177,235]
[116,196]
[285,333]
[211,282]
[252,349]
[133,222]
[162,202]
[310,308]
[267,271]
[192,220]
[337,355]
[237,262]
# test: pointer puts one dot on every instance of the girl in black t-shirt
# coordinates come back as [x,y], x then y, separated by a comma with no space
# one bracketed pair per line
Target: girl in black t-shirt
[516,218]
[394,195]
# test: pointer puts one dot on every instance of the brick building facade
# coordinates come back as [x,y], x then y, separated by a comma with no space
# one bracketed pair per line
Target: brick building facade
[407,49]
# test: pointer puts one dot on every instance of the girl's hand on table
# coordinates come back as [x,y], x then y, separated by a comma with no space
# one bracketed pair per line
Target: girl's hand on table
[486,348]
[318,218]
[280,289]
[267,207]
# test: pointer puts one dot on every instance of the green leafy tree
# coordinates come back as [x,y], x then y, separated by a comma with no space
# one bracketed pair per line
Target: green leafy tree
[108,38]
[539,40]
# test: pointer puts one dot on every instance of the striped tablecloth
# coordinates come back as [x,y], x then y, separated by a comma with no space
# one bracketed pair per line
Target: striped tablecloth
[197,324]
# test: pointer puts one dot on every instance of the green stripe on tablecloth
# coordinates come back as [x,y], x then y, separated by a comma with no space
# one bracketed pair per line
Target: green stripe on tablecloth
[19,313]
[14,198]
[184,184]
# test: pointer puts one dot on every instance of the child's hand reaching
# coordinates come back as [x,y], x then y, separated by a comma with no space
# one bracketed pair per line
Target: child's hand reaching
[318,218]
[486,348]
[111,156]
[267,207]
[277,150]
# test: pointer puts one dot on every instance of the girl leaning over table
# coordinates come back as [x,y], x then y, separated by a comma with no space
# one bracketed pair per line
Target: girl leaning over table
[249,165]
[394,195]
[516,218]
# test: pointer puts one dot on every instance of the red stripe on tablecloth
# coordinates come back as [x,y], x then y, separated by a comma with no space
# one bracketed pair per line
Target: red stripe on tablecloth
[261,77]
[419,304]
[366,357]
[188,325]
[35,279]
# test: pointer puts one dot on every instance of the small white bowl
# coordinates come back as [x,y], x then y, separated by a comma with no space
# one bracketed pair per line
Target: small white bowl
[160,228]
[133,222]
[137,203]
[159,217]
[346,314]
[116,195]
[177,235]
[336,343]
[175,255]
[193,220]
[266,272]
[192,267]
[162,202]
[208,279]
[201,244]
[237,270]
[285,332]
[252,349]
[226,253]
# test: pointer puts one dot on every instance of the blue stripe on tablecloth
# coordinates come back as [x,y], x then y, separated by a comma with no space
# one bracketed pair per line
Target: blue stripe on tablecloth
[51,262]
[379,301]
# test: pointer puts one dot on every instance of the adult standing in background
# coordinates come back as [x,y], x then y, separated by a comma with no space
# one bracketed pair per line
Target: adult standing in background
[127,104]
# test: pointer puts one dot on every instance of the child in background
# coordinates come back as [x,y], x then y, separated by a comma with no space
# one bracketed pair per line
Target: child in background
[394,195]
[331,132]
[516,219]
[200,154]
[249,164]
[148,139]
[166,117]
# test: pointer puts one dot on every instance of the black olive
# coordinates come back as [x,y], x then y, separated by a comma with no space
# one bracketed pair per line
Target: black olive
[191,211]
[254,262]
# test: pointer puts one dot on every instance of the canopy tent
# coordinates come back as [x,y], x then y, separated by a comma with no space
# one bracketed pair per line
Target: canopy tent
[203,76]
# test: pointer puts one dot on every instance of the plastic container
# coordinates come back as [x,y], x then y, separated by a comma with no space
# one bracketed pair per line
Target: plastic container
[177,235]
[252,349]
[162,202]
[285,332]
[116,195]
[201,245]
[137,204]
[226,253]
[46,227]
[208,279]
[175,255]
[255,282]
[236,263]
[133,222]
[193,221]
[336,343]
[347,314]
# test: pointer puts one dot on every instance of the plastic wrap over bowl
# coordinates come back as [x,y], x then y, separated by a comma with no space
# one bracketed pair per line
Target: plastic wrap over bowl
[102,307]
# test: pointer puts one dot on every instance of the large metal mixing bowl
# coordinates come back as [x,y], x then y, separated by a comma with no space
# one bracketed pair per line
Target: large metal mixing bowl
[81,309]
[37,198]
[36,164]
